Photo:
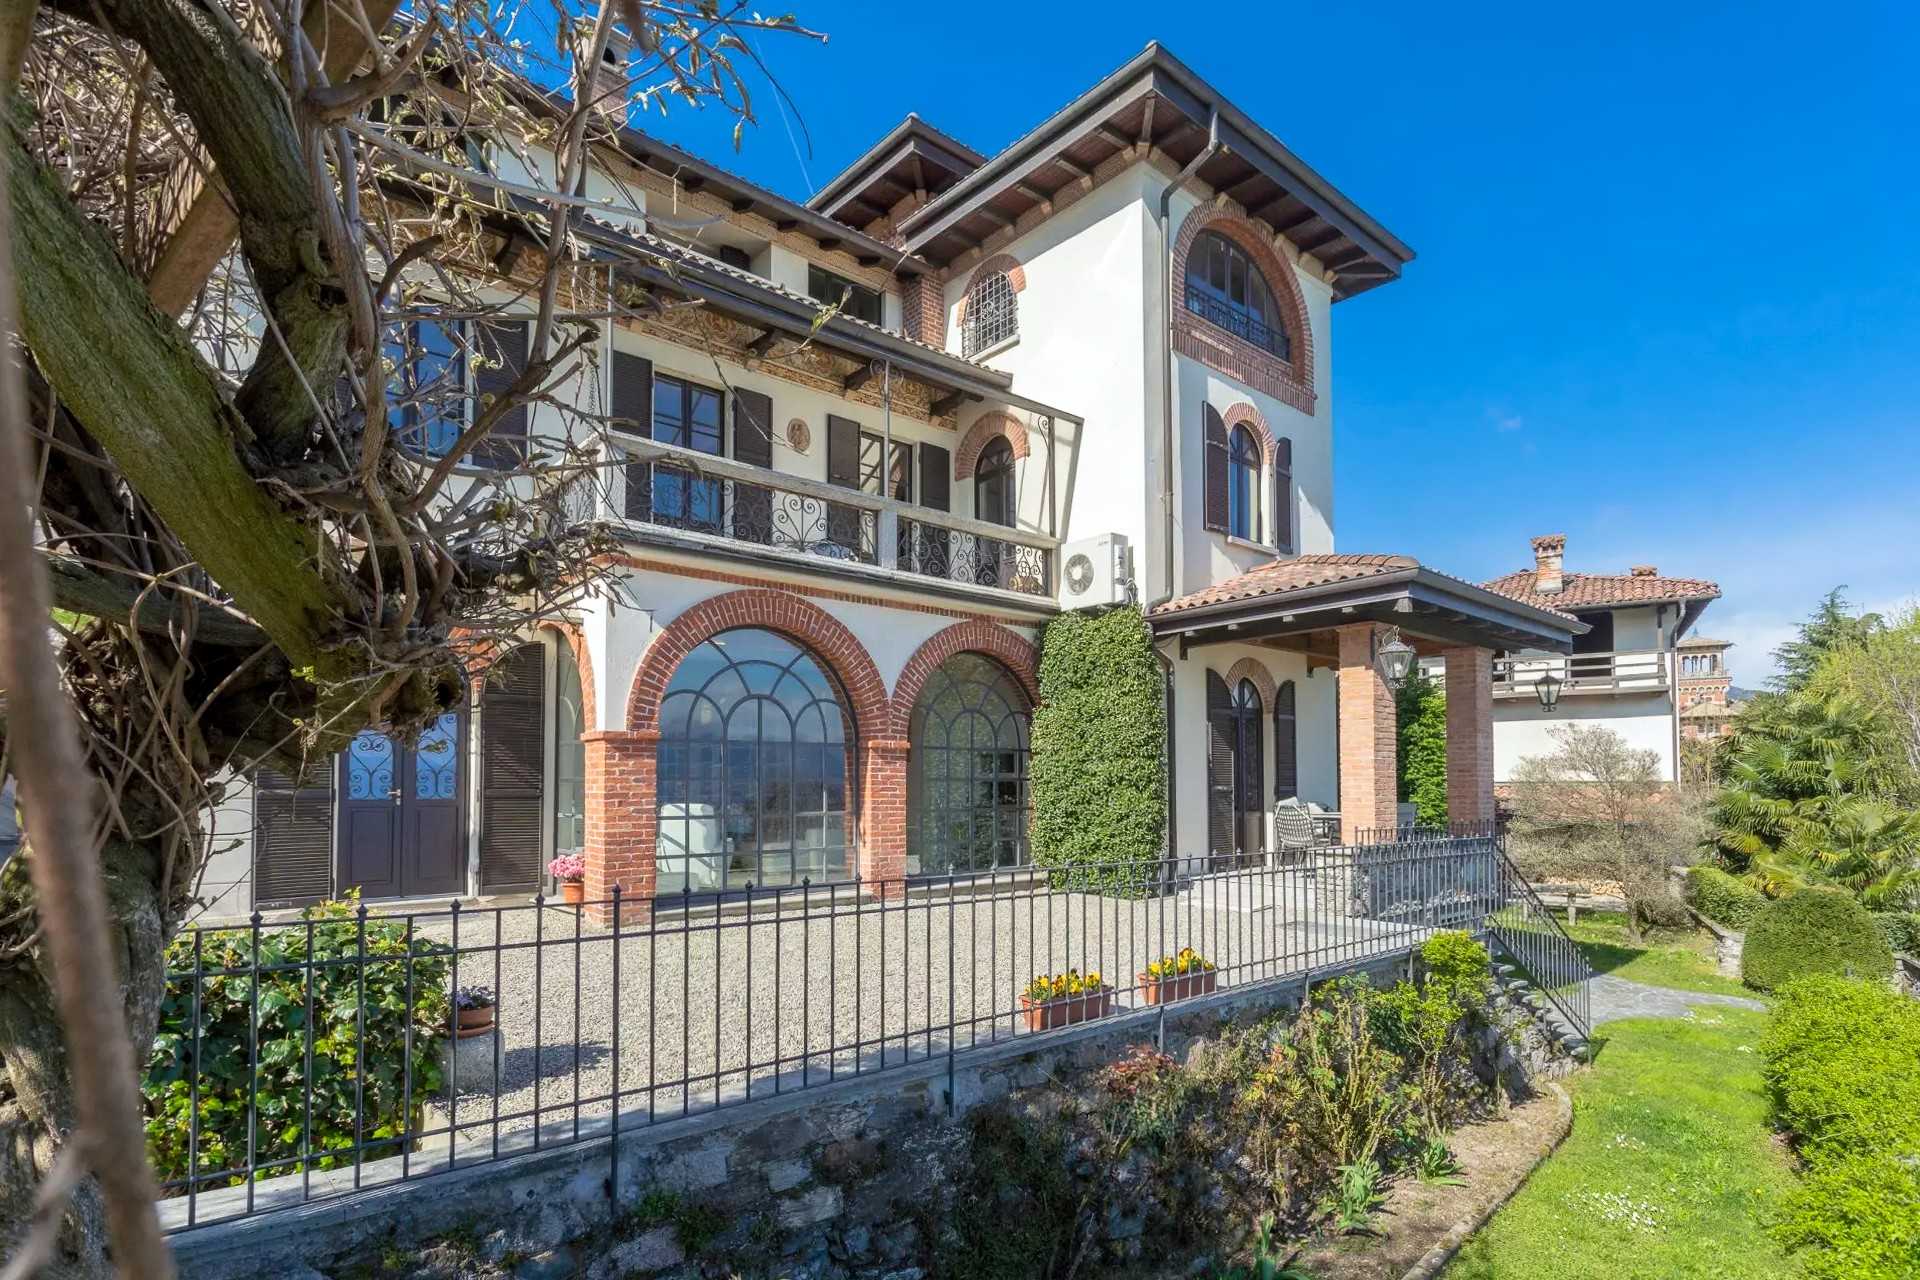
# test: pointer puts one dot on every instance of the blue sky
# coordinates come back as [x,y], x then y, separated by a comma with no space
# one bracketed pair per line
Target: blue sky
[1667,298]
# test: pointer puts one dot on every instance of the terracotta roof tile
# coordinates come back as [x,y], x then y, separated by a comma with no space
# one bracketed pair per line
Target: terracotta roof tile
[1289,575]
[1598,590]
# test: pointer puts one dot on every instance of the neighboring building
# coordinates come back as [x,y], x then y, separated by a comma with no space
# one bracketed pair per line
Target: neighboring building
[1627,672]
[1707,704]
[1093,368]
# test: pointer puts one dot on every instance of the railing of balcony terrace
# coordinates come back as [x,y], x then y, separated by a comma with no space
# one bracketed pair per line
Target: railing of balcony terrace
[1633,671]
[700,499]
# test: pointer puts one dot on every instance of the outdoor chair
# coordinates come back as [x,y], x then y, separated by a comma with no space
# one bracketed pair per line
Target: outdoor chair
[1293,833]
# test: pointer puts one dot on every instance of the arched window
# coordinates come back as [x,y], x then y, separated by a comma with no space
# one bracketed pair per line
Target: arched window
[1225,288]
[1243,486]
[569,754]
[1236,791]
[967,791]
[992,316]
[993,489]
[753,770]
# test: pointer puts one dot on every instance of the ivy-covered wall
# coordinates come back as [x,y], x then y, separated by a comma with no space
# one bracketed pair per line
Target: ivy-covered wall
[1099,738]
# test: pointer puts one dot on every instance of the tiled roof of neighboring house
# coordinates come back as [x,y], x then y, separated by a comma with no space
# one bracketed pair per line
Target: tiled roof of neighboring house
[1709,711]
[1703,642]
[1599,590]
[1290,575]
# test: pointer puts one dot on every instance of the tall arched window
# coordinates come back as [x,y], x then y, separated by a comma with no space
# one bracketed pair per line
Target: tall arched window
[967,791]
[753,770]
[1236,793]
[1243,486]
[1250,786]
[993,489]
[1225,288]
[569,754]
[992,315]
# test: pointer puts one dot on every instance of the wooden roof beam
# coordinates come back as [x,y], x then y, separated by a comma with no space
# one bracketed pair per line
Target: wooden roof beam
[768,339]
[859,377]
[948,403]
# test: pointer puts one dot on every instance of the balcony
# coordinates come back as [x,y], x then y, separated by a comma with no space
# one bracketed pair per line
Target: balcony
[1640,671]
[682,498]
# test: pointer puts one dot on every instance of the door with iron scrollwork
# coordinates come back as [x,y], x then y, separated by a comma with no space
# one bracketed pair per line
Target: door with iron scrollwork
[401,823]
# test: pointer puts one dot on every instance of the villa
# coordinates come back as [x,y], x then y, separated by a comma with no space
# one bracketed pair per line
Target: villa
[912,419]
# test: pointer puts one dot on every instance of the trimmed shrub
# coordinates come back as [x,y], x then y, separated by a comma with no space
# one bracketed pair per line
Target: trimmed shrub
[1722,898]
[1843,1063]
[1814,931]
[1855,1219]
[1901,930]
[1454,958]
[405,1000]
[1099,738]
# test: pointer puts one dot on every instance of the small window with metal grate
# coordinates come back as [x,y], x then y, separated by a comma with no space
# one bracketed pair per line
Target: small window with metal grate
[993,315]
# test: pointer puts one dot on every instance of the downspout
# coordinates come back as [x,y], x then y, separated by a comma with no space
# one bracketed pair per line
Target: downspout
[1192,167]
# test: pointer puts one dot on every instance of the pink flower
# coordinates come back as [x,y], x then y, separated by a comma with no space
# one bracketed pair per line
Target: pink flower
[568,866]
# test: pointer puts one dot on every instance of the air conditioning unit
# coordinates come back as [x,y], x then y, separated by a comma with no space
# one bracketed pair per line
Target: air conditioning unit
[1096,571]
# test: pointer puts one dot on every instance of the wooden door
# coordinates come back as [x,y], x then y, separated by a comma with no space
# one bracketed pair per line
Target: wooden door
[401,829]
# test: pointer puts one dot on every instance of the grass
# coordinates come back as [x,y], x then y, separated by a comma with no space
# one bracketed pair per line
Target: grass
[1681,958]
[1668,1174]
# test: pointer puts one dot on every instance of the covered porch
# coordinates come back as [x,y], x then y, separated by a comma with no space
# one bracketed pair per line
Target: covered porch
[1282,685]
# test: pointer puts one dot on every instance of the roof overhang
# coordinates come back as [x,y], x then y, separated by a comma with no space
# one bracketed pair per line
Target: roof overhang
[1158,101]
[913,158]
[1425,605]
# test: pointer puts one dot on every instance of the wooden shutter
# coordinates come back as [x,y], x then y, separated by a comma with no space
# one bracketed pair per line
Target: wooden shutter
[843,469]
[1286,743]
[936,477]
[502,347]
[632,402]
[1220,767]
[753,444]
[1215,470]
[1283,496]
[930,550]
[512,768]
[292,837]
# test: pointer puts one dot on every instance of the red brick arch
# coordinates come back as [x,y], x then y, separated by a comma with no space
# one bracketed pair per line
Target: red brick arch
[1244,414]
[583,659]
[1012,651]
[792,616]
[1290,381]
[988,426]
[1255,670]
[999,262]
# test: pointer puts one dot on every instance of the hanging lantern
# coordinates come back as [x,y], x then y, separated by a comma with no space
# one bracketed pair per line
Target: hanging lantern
[1392,657]
[1547,689]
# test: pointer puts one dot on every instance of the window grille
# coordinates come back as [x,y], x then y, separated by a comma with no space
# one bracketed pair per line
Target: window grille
[993,315]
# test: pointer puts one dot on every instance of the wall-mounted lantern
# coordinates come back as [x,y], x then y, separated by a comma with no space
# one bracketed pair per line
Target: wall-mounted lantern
[1547,689]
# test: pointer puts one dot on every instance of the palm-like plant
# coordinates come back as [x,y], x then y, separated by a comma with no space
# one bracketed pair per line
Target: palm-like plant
[1803,801]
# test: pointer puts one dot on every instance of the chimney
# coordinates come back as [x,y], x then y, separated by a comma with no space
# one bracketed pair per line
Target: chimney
[1645,571]
[608,81]
[1549,550]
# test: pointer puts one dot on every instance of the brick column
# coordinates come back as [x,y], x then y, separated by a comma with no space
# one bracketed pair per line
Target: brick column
[623,821]
[1369,744]
[883,816]
[1469,735]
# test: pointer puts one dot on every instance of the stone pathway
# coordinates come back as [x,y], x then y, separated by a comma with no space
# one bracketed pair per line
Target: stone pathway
[1616,998]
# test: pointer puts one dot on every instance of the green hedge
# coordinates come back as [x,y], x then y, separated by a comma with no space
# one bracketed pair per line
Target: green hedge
[1099,738]
[1722,898]
[1842,1061]
[1901,930]
[1810,932]
[1421,711]
[402,993]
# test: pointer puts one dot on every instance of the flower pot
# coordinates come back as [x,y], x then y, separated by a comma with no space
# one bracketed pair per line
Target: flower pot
[1177,987]
[573,892]
[1044,1015]
[473,1022]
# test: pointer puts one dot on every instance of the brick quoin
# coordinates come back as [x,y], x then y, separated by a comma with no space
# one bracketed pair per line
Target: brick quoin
[1369,745]
[1256,671]
[989,426]
[1469,734]
[923,309]
[1290,381]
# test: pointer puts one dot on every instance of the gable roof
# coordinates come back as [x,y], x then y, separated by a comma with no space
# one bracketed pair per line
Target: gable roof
[913,156]
[1157,100]
[1582,591]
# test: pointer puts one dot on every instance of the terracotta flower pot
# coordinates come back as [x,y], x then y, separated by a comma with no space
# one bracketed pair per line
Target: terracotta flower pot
[573,892]
[474,1022]
[1044,1015]
[1177,987]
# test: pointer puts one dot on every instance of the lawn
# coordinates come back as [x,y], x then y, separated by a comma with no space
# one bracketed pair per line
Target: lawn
[1668,1173]
[1680,958]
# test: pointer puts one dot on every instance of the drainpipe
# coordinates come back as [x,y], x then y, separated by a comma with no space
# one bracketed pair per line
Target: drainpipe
[1192,167]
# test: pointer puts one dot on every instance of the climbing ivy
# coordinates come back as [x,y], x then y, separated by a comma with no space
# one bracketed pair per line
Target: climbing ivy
[1099,735]
[1422,707]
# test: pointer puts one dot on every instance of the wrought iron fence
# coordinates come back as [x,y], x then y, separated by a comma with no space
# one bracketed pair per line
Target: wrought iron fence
[960,556]
[313,1059]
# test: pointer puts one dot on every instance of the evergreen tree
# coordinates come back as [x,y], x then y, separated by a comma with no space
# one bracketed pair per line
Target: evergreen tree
[1830,628]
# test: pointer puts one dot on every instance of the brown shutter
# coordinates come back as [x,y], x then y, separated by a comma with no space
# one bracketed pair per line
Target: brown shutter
[1215,470]
[753,444]
[930,549]
[502,347]
[843,469]
[292,838]
[1286,743]
[1220,768]
[512,768]
[632,401]
[936,477]
[1283,487]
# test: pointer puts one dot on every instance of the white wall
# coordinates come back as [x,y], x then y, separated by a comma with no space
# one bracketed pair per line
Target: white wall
[1521,729]
[1640,629]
